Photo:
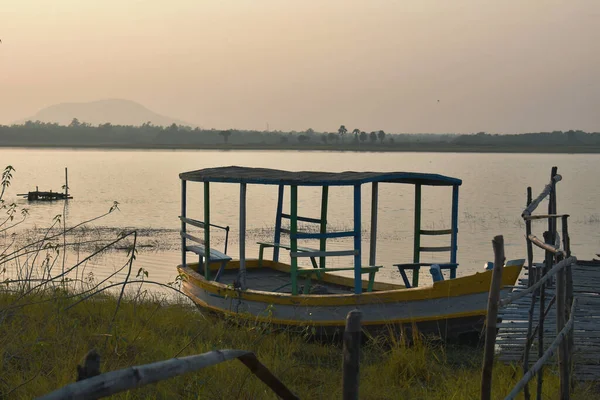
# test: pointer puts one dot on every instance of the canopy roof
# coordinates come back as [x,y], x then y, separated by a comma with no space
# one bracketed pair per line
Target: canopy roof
[265,176]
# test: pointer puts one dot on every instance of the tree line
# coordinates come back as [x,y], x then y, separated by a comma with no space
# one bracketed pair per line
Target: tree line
[78,133]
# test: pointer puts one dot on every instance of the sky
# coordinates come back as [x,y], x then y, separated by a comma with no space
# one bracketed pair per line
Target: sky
[495,66]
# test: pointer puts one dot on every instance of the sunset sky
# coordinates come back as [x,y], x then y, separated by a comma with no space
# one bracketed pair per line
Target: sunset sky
[496,66]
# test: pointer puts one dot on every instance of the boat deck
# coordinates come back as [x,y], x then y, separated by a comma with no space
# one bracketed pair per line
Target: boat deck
[271,280]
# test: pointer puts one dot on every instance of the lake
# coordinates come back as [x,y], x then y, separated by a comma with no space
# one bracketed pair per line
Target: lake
[147,187]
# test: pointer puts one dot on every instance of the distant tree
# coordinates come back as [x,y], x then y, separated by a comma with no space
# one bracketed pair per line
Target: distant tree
[381,136]
[284,139]
[105,127]
[363,136]
[332,137]
[391,140]
[342,132]
[75,123]
[303,138]
[310,131]
[356,132]
[373,137]
[225,135]
[324,138]
[173,128]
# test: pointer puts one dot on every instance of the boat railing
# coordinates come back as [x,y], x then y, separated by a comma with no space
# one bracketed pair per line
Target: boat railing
[202,225]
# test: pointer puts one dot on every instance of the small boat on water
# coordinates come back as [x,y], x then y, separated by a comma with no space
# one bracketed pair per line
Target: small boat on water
[314,297]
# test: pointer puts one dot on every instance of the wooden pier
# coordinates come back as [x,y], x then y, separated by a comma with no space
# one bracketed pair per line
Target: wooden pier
[586,338]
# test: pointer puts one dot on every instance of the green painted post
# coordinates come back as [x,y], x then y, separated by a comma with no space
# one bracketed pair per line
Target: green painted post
[417,238]
[207,231]
[293,239]
[323,245]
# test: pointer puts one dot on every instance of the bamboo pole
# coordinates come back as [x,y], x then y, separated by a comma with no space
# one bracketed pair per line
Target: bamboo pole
[529,244]
[492,315]
[133,377]
[548,263]
[563,357]
[351,353]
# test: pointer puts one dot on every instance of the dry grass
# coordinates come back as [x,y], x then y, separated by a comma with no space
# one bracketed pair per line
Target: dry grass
[41,342]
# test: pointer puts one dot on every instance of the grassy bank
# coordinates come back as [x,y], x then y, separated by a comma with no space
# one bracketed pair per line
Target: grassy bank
[42,340]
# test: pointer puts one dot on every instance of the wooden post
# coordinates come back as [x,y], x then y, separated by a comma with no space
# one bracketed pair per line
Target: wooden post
[568,293]
[563,368]
[417,235]
[277,237]
[529,339]
[293,238]
[207,231]
[323,241]
[242,273]
[351,354]
[530,274]
[357,240]
[547,266]
[66,184]
[552,203]
[183,213]
[373,243]
[492,315]
[454,237]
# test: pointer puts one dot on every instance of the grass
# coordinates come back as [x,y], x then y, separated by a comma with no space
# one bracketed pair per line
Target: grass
[41,342]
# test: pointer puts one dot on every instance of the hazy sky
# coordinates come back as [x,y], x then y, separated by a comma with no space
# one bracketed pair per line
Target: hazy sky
[495,65]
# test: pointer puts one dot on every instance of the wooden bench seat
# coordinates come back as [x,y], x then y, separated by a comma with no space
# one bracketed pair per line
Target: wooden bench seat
[371,270]
[215,256]
[263,245]
[415,267]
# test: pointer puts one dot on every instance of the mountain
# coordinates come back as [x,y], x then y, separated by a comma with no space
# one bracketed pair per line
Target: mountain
[115,111]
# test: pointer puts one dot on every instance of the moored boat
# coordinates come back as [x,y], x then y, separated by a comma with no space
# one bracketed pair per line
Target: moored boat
[315,297]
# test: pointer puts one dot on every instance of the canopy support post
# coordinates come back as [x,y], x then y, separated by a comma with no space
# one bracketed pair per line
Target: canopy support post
[417,236]
[373,243]
[277,237]
[454,238]
[357,233]
[323,243]
[293,238]
[183,215]
[242,273]
[207,230]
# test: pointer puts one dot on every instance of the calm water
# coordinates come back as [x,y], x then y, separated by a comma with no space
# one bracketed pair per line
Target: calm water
[146,185]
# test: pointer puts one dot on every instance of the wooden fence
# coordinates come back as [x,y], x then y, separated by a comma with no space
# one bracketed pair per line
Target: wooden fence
[556,270]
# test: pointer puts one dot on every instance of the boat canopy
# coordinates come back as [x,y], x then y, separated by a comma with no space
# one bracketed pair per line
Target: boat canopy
[266,176]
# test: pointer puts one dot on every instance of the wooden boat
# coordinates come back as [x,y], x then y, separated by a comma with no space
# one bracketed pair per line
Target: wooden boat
[315,298]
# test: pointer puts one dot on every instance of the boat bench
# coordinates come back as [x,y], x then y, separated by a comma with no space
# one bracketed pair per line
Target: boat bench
[215,256]
[263,245]
[371,270]
[415,267]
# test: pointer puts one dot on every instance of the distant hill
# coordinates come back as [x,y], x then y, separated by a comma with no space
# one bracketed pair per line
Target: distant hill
[115,111]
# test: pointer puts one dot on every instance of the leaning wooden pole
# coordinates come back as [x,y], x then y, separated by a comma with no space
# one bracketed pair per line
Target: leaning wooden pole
[351,354]
[492,315]
[563,356]
[133,377]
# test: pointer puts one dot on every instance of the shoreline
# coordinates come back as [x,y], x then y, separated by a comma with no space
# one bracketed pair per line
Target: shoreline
[396,148]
